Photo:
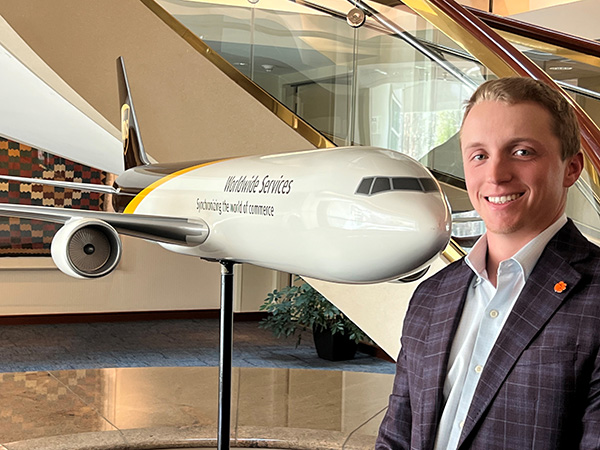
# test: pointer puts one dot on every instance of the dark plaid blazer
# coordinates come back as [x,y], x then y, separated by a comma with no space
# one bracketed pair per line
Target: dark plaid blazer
[540,388]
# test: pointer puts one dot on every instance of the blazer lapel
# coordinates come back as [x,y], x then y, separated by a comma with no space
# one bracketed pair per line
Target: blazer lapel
[535,306]
[444,321]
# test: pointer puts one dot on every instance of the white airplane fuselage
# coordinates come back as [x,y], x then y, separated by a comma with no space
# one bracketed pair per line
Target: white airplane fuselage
[301,212]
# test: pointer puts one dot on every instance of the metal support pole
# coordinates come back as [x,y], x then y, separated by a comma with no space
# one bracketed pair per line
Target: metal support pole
[225,355]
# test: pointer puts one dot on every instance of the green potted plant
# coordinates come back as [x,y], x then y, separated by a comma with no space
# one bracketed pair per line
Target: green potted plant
[298,308]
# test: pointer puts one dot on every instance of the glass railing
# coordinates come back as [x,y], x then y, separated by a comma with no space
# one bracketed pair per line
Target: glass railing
[333,75]
[396,78]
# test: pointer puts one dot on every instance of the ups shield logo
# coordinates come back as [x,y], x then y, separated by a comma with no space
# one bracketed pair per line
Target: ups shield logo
[125,115]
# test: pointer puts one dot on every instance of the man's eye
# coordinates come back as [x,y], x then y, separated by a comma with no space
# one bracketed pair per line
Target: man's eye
[479,157]
[522,152]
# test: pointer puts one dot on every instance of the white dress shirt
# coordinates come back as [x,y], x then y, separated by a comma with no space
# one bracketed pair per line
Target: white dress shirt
[485,312]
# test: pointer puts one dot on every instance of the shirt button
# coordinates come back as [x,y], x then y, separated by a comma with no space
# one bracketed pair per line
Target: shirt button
[493,313]
[478,368]
[461,424]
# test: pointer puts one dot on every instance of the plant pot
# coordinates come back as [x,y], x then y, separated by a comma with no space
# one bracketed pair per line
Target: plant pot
[334,347]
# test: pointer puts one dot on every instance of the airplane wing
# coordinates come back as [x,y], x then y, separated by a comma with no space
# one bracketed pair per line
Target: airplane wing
[171,230]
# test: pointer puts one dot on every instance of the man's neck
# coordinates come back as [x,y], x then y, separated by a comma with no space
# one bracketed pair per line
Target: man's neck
[501,247]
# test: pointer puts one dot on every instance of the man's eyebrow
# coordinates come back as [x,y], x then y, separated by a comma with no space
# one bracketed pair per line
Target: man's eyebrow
[470,145]
[512,142]
[523,140]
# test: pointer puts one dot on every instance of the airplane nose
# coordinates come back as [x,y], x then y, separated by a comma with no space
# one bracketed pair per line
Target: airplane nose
[433,225]
[393,238]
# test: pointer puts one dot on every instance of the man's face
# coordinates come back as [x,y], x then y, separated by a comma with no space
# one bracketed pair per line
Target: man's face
[516,178]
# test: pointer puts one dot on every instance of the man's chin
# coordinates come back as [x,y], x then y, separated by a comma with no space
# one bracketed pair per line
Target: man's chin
[503,228]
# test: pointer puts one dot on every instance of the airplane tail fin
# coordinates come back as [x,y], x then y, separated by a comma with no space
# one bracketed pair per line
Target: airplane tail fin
[133,149]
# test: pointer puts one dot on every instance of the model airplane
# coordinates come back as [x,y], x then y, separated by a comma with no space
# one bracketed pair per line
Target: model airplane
[355,214]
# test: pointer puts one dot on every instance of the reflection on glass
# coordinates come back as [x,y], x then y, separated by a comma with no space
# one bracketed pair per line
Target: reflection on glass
[577,73]
[583,206]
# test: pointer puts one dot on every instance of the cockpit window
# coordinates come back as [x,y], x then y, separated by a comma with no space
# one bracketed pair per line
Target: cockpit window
[365,186]
[406,184]
[428,185]
[381,184]
[376,185]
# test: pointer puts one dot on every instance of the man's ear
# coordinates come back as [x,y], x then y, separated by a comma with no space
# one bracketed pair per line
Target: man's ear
[573,170]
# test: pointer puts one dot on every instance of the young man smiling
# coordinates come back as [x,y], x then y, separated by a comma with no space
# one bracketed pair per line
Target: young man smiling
[501,350]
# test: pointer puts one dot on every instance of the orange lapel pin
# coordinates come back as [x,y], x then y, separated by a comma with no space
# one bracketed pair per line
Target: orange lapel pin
[560,287]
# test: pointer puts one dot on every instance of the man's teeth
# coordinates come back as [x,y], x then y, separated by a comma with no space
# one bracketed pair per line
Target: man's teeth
[503,199]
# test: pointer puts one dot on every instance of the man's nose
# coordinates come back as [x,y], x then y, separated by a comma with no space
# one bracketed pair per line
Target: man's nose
[499,170]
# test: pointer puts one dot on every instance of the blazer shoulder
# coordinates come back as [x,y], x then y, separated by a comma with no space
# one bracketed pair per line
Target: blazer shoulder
[456,268]
[453,277]
[571,245]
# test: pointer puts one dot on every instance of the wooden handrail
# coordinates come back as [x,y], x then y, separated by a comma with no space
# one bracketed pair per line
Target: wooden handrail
[526,29]
[539,33]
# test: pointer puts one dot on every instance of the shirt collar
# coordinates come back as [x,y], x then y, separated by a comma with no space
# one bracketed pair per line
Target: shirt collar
[476,259]
[527,257]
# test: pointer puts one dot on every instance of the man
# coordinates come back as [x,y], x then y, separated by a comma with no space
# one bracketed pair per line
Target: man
[501,350]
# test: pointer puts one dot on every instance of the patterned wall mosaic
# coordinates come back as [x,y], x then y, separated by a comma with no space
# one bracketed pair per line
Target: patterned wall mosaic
[23,237]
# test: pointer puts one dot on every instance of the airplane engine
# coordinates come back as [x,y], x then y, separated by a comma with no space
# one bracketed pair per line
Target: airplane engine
[86,248]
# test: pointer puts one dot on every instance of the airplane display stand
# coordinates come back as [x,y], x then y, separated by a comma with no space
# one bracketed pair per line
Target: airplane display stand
[225,355]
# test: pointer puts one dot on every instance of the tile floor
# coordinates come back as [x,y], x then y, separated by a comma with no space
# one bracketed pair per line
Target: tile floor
[159,343]
[154,384]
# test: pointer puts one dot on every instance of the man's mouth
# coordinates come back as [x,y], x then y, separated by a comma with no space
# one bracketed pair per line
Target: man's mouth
[501,200]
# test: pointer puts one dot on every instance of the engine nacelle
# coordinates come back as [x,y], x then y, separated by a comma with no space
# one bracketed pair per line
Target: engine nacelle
[86,248]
